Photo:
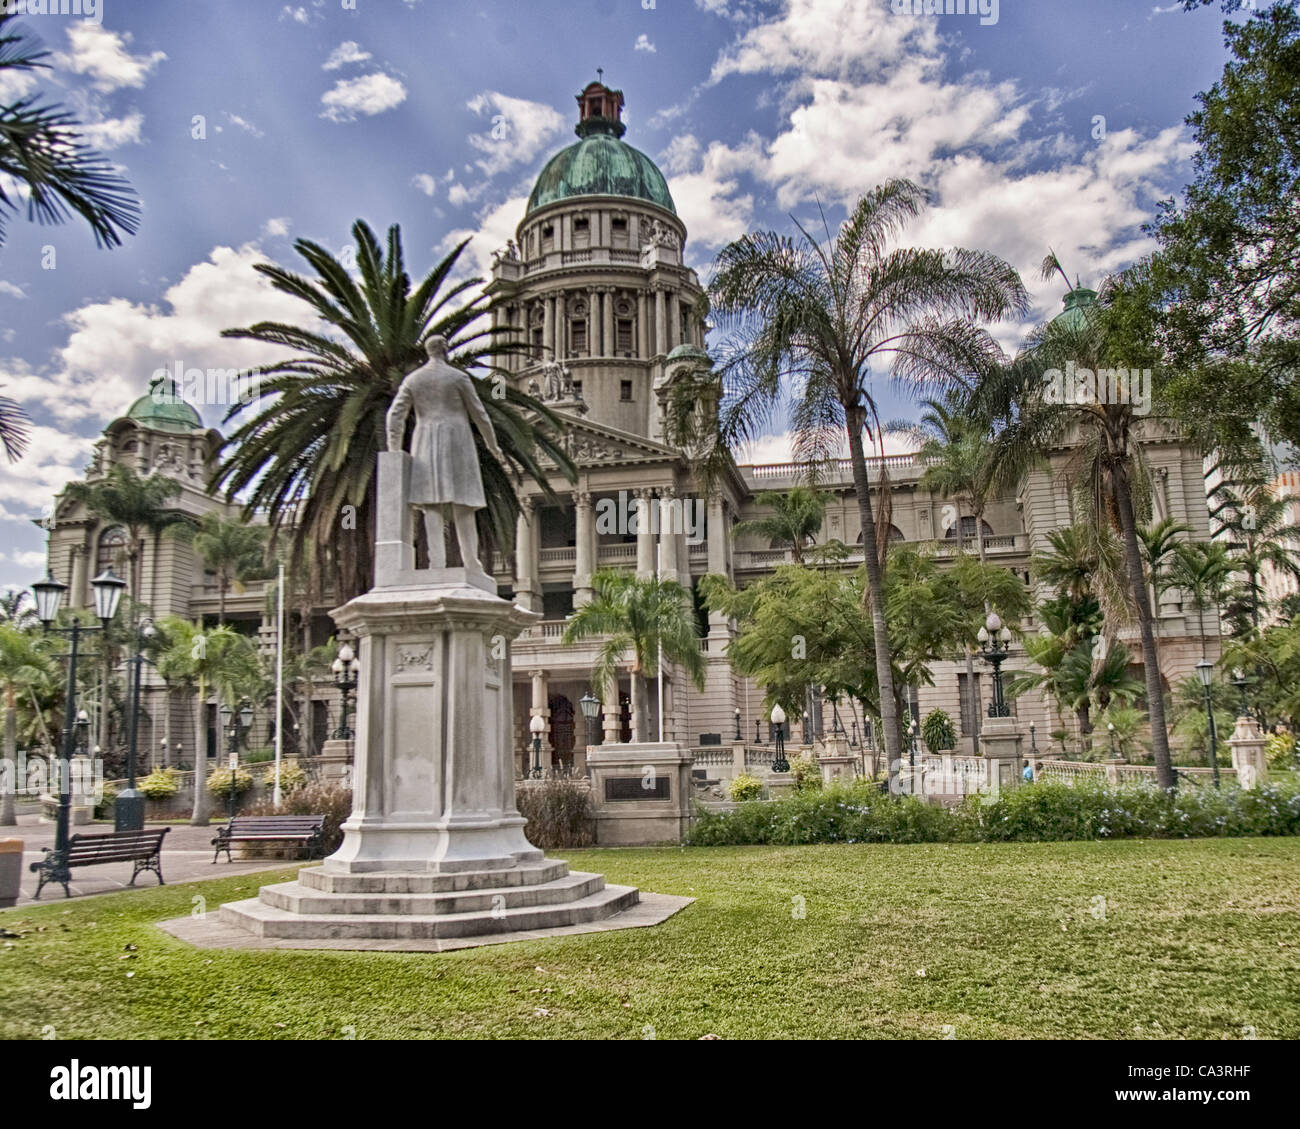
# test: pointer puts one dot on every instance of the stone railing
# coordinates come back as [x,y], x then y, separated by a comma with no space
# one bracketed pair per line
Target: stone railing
[625,552]
[1128,773]
[561,556]
[843,467]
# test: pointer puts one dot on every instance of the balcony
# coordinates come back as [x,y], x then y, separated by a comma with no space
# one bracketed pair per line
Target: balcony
[995,548]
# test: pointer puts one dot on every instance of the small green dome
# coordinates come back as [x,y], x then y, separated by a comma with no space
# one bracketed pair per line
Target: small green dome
[688,352]
[1077,303]
[601,165]
[164,409]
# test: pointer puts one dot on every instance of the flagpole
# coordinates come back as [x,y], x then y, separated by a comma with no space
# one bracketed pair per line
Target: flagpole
[279,682]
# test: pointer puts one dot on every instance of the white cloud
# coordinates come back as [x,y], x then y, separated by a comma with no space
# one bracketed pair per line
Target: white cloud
[425,182]
[369,95]
[10,290]
[103,55]
[244,124]
[346,52]
[277,227]
[15,85]
[298,15]
[706,190]
[520,130]
[114,132]
[643,44]
[495,227]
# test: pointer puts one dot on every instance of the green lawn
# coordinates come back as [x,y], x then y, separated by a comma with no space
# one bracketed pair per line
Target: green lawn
[1195,939]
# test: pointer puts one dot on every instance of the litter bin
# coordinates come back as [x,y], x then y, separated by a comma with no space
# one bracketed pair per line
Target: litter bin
[128,810]
[11,868]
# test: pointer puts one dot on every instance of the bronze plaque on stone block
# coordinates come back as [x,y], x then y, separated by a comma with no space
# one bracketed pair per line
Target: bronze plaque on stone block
[628,788]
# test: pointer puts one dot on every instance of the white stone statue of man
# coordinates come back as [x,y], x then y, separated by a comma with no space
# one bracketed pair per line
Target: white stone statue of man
[444,465]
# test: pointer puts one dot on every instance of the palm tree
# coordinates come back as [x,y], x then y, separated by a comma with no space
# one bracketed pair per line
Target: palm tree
[644,618]
[14,609]
[1107,465]
[1159,550]
[21,663]
[1257,528]
[307,455]
[1202,569]
[234,550]
[205,660]
[140,505]
[796,518]
[43,151]
[814,324]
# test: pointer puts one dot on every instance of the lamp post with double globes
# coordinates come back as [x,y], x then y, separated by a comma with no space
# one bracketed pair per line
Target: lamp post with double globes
[107,588]
[537,727]
[995,641]
[346,671]
[237,723]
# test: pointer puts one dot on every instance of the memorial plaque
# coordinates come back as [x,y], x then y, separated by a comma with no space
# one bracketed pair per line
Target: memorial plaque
[629,788]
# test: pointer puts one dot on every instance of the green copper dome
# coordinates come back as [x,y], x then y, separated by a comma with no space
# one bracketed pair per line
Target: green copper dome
[688,352]
[164,409]
[601,165]
[1077,302]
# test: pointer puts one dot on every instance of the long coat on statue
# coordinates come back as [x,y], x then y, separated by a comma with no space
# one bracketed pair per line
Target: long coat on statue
[444,459]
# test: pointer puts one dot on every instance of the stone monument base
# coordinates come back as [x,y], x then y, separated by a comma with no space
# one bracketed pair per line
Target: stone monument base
[320,905]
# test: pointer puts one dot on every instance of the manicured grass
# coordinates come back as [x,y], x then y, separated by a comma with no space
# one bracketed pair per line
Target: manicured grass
[1196,939]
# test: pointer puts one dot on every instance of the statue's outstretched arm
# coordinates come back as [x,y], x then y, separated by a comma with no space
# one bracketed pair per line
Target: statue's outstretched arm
[397,413]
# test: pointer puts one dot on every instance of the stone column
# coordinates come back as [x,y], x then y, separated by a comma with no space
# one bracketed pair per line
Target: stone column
[609,337]
[674,322]
[584,565]
[645,538]
[596,345]
[613,714]
[670,529]
[77,582]
[540,708]
[548,327]
[561,327]
[526,570]
[716,539]
[1248,758]
[642,326]
[661,322]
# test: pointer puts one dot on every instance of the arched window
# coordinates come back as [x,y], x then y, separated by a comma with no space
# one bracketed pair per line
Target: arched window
[968,529]
[895,534]
[114,543]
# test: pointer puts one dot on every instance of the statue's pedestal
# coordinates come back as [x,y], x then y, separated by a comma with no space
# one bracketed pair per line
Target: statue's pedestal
[837,761]
[1000,742]
[435,845]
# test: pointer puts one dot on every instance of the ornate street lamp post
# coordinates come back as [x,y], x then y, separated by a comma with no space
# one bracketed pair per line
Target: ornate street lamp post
[995,642]
[854,740]
[911,744]
[346,670]
[805,727]
[1033,740]
[779,763]
[1110,728]
[128,808]
[758,732]
[49,593]
[1240,681]
[237,723]
[537,727]
[738,736]
[590,708]
[1205,672]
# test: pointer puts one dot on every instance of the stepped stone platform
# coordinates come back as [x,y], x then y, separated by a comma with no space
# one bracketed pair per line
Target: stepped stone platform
[427,912]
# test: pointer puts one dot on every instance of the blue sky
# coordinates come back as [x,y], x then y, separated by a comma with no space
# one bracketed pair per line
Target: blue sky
[249,123]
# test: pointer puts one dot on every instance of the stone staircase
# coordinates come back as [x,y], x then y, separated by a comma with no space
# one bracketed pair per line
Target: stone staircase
[321,905]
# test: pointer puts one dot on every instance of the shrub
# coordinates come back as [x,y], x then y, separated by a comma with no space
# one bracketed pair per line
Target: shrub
[938,732]
[219,782]
[807,776]
[1042,812]
[259,756]
[292,777]
[160,784]
[105,802]
[559,812]
[333,801]
[1280,750]
[745,788]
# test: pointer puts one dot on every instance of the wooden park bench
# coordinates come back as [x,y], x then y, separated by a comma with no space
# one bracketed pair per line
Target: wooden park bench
[309,830]
[144,848]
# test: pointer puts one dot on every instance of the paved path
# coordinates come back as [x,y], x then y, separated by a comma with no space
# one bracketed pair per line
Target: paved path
[186,857]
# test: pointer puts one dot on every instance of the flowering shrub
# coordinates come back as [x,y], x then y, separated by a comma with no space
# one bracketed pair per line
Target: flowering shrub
[219,782]
[160,784]
[938,732]
[292,777]
[745,787]
[1280,750]
[1042,812]
[807,776]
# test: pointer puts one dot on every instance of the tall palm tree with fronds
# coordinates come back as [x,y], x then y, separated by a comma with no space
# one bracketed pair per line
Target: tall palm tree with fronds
[307,454]
[1076,563]
[22,663]
[207,661]
[234,550]
[139,504]
[1159,550]
[1107,465]
[1257,528]
[638,620]
[43,151]
[815,325]
[795,520]
[1203,570]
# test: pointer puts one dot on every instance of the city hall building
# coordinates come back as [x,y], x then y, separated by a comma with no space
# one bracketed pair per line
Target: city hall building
[596,284]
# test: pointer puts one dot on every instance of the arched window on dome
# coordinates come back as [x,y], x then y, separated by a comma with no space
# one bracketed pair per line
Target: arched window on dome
[114,544]
[579,338]
[624,327]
